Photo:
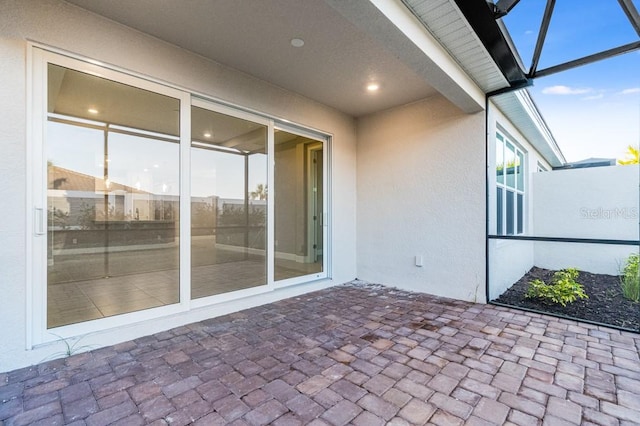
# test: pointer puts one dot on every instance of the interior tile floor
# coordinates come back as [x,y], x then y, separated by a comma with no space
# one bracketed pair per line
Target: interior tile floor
[144,279]
[353,354]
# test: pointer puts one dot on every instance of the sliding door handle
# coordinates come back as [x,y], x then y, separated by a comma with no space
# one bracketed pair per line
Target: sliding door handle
[38,221]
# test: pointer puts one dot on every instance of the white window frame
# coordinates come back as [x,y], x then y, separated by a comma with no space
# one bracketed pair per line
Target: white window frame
[37,332]
[503,187]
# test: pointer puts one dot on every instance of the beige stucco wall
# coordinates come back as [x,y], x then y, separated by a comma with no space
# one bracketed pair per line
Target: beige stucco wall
[66,27]
[421,191]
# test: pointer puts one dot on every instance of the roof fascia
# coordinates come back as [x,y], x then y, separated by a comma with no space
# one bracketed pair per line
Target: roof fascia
[535,130]
[530,107]
[482,19]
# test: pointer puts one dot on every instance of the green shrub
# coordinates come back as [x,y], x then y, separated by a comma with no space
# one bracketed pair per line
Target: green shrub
[630,279]
[563,288]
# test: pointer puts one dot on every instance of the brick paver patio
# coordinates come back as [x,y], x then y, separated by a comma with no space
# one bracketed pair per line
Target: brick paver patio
[355,354]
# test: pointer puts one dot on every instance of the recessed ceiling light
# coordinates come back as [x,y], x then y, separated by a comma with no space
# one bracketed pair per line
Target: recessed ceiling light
[156,166]
[297,42]
[207,135]
[372,87]
[92,111]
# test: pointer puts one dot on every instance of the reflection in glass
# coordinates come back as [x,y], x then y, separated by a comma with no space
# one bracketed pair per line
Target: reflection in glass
[499,210]
[510,212]
[298,206]
[520,171]
[510,165]
[520,214]
[499,159]
[112,196]
[228,203]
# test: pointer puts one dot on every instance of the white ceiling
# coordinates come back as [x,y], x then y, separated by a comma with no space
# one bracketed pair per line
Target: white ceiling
[253,36]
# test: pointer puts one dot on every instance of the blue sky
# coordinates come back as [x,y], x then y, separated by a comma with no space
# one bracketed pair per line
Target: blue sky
[593,110]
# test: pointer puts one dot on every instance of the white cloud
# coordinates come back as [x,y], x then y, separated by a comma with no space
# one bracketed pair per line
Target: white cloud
[528,32]
[565,90]
[631,91]
[593,97]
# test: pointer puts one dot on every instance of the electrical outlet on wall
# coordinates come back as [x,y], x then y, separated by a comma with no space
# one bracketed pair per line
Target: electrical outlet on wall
[419,260]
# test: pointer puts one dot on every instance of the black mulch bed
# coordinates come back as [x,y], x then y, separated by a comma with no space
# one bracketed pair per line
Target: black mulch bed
[605,305]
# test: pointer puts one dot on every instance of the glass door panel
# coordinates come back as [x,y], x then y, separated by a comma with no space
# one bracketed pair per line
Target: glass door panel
[228,203]
[112,198]
[299,206]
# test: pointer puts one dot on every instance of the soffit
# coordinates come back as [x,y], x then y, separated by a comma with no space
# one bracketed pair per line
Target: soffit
[253,36]
[447,24]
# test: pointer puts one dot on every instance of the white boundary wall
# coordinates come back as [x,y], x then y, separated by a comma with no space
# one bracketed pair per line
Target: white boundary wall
[598,203]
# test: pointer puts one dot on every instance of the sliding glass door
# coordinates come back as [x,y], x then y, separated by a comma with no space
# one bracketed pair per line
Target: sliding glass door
[113,198]
[228,203]
[148,202]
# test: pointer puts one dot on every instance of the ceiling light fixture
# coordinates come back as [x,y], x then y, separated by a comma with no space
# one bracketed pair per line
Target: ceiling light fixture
[373,87]
[297,42]
[207,135]
[92,111]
